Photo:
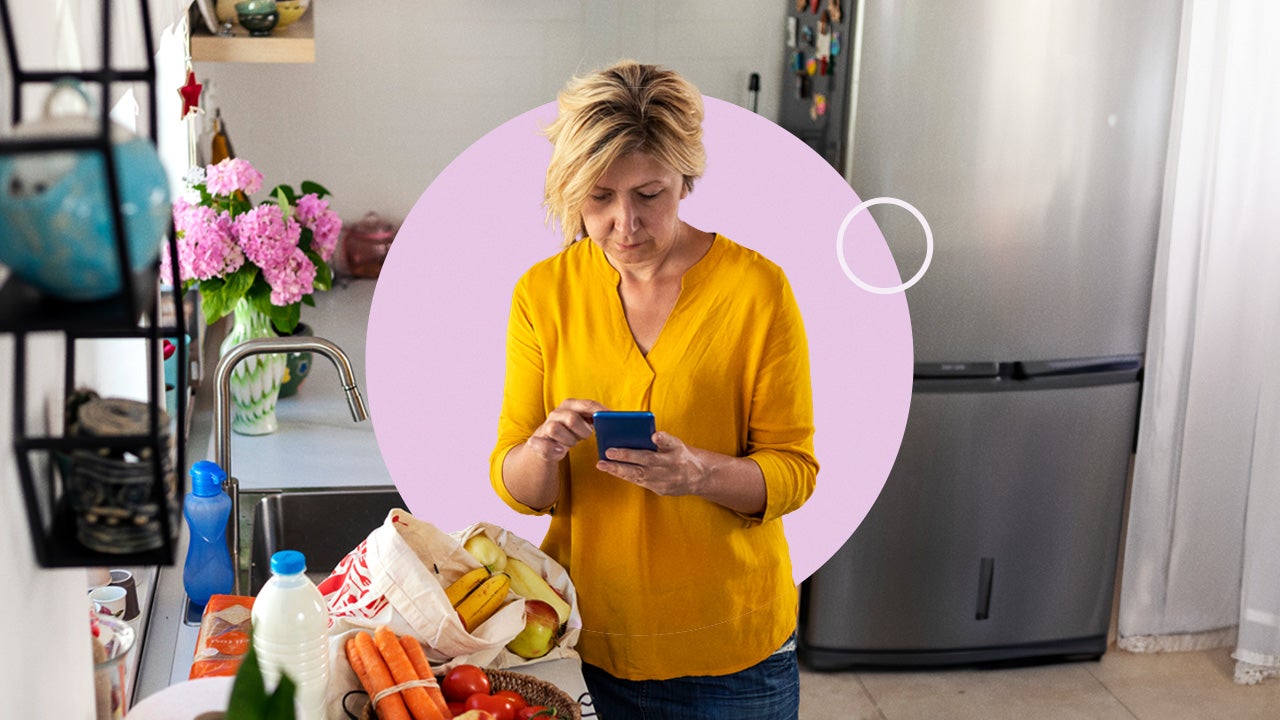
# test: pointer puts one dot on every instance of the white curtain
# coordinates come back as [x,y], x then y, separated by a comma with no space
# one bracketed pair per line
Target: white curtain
[1202,558]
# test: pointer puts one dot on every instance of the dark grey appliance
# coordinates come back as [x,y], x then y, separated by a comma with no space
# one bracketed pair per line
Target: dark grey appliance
[1032,135]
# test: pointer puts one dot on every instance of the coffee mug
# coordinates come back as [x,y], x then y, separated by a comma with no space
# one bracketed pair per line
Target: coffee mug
[109,600]
[124,579]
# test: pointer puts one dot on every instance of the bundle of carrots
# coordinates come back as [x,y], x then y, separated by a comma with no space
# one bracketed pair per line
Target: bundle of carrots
[383,660]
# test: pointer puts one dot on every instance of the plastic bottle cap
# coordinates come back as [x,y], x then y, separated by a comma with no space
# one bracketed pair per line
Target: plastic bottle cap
[288,562]
[206,478]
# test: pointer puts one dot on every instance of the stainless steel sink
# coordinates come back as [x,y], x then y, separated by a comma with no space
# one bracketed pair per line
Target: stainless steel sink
[324,525]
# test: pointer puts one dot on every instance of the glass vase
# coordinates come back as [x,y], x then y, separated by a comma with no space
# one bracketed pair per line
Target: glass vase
[255,380]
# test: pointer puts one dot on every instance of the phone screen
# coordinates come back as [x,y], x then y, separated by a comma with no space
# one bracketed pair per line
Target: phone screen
[623,429]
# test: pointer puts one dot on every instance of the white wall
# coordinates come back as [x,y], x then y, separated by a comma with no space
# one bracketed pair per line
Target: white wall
[47,672]
[400,88]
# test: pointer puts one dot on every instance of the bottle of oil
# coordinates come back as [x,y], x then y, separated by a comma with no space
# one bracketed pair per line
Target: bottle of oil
[220,145]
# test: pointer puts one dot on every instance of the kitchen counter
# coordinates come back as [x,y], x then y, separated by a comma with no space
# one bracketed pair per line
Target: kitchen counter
[317,445]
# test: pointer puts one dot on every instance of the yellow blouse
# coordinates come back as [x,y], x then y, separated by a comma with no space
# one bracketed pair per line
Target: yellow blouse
[668,586]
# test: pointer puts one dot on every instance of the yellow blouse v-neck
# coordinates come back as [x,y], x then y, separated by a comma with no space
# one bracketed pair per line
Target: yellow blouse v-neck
[668,586]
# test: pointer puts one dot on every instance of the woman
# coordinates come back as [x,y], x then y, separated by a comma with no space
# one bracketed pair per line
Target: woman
[678,556]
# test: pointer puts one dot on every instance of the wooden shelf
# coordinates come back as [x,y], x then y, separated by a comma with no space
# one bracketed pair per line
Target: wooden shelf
[294,44]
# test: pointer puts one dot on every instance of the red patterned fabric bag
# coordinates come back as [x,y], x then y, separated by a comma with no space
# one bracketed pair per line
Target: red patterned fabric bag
[397,577]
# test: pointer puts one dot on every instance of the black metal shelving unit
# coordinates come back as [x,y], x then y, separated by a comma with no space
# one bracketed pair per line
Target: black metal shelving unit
[134,312]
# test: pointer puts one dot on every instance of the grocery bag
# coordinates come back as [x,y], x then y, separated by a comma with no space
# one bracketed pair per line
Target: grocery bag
[397,577]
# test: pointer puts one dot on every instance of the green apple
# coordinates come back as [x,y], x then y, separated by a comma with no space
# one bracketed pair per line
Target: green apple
[541,624]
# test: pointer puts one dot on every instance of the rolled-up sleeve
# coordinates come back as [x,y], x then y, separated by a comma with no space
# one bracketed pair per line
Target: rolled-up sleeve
[780,429]
[522,397]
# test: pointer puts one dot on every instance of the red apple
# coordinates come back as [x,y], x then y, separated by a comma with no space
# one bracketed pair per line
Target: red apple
[539,634]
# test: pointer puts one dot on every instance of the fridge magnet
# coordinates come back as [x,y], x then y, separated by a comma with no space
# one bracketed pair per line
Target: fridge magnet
[802,86]
[819,107]
[806,35]
[813,6]
[792,30]
[833,9]
[800,5]
[811,67]
[797,62]
[836,43]
[822,48]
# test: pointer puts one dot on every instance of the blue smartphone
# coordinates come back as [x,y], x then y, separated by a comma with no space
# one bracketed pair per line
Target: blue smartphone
[623,429]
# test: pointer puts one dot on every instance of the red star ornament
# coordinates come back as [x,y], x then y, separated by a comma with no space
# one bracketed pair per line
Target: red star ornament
[190,93]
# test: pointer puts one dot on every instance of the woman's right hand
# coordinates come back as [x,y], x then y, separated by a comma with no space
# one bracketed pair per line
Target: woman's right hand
[566,426]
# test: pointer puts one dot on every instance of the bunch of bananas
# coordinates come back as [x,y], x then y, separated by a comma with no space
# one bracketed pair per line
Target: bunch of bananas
[477,595]
[524,580]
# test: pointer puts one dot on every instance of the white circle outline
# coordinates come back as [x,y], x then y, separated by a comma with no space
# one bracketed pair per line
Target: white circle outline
[928,240]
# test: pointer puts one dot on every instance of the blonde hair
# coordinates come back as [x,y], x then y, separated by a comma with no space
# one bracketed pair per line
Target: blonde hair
[622,109]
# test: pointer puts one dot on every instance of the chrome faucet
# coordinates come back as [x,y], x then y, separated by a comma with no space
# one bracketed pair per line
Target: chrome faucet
[222,409]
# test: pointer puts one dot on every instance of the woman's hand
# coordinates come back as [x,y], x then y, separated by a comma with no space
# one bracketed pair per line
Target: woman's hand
[530,471]
[672,469]
[677,469]
[566,426]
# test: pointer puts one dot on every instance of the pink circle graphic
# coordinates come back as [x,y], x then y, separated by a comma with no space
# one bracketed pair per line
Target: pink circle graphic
[437,326]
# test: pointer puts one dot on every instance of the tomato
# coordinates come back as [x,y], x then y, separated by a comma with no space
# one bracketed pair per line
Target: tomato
[503,708]
[456,707]
[514,696]
[464,681]
[537,712]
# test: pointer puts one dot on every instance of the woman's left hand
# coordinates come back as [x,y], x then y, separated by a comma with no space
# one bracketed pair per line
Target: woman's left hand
[673,469]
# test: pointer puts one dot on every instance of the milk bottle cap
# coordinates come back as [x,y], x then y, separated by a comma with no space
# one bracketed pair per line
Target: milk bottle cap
[288,562]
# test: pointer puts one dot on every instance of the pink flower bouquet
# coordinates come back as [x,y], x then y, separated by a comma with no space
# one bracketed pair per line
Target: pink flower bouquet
[273,255]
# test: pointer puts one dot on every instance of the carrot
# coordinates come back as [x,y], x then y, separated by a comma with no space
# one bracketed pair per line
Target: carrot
[420,705]
[357,664]
[392,706]
[422,666]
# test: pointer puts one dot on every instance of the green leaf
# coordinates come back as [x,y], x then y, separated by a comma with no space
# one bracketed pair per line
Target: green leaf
[280,705]
[285,190]
[309,187]
[285,319]
[283,200]
[219,297]
[249,692]
[324,273]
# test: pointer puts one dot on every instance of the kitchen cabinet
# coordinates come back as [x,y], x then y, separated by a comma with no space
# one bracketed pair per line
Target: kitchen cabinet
[292,44]
[47,457]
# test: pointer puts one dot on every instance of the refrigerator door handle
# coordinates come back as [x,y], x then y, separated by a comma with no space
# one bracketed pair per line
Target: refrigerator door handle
[957,370]
[1077,366]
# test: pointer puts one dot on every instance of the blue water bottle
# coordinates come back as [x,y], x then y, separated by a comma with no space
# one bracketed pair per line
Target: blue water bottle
[207,508]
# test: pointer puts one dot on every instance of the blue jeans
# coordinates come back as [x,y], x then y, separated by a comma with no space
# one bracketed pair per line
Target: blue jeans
[768,690]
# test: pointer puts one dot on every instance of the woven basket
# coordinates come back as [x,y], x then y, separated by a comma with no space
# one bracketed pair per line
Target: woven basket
[533,690]
[536,692]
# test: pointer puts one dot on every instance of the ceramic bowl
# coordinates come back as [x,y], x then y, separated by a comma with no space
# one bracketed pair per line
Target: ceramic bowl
[259,17]
[291,10]
[58,231]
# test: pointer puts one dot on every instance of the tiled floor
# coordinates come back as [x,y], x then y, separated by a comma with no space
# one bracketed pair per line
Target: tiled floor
[1122,685]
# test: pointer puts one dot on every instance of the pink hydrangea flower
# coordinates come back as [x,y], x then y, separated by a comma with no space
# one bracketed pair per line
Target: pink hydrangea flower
[267,238]
[230,175]
[324,224]
[206,248]
[291,280]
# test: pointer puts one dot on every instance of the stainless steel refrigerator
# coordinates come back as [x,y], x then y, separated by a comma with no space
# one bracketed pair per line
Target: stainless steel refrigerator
[1032,135]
